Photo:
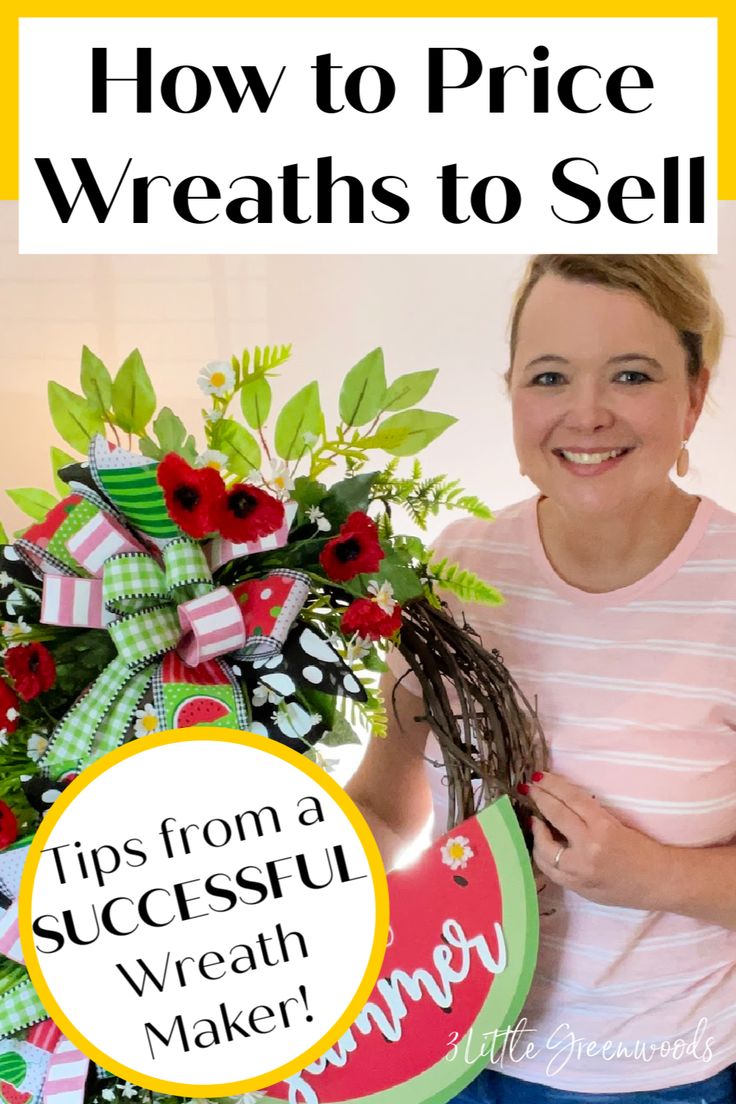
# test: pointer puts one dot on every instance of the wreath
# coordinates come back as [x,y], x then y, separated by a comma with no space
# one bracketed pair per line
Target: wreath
[239,587]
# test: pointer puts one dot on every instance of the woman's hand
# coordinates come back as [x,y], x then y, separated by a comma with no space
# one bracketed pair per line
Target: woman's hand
[599,857]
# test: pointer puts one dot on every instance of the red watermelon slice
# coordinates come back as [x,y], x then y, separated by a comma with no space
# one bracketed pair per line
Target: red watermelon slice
[461,954]
[199,710]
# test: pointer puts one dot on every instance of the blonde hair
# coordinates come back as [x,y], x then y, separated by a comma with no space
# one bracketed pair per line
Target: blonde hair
[675,286]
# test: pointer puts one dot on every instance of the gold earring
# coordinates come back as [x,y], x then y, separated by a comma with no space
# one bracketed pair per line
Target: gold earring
[683,461]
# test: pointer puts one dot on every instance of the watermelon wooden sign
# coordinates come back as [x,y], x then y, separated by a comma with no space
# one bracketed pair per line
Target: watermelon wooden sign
[461,953]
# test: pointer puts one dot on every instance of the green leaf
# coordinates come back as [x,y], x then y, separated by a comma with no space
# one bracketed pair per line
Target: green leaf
[364,390]
[373,662]
[255,398]
[308,492]
[3,535]
[301,414]
[33,501]
[60,459]
[133,397]
[423,426]
[96,382]
[75,420]
[189,450]
[405,582]
[472,505]
[170,431]
[149,448]
[348,495]
[465,584]
[342,732]
[386,439]
[409,389]
[239,445]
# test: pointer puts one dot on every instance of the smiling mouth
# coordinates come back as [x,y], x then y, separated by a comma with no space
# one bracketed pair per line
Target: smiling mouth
[590,457]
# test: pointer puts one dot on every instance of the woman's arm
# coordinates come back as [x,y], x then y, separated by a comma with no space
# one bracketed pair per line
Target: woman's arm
[390,786]
[608,862]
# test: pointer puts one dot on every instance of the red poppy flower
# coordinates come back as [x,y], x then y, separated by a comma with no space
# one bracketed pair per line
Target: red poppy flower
[354,551]
[32,669]
[247,513]
[8,826]
[192,494]
[8,708]
[366,618]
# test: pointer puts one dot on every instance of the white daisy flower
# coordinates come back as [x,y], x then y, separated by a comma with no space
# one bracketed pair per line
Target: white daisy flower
[147,720]
[37,744]
[212,416]
[108,1094]
[211,458]
[263,694]
[356,649]
[217,378]
[12,714]
[5,579]
[456,852]
[129,1090]
[280,481]
[13,630]
[3,737]
[383,595]
[317,518]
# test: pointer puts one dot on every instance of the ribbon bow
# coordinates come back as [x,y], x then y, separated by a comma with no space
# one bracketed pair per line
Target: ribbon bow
[151,605]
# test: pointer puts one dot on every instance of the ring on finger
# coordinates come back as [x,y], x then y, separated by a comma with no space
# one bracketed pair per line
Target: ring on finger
[558,856]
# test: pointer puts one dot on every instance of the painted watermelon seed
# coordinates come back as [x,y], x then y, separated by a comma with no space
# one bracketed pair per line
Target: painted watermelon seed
[460,880]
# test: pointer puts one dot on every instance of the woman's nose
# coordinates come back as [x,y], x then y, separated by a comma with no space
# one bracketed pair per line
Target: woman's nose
[588,407]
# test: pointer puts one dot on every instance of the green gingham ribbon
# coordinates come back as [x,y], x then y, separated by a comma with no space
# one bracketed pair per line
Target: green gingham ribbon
[144,597]
[20,1007]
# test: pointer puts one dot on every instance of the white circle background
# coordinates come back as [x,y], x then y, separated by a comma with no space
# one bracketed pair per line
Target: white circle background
[194,782]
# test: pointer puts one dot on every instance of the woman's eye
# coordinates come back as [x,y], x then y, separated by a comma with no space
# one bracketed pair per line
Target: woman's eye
[631,376]
[547,379]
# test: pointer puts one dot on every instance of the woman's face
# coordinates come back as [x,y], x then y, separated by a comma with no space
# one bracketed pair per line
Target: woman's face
[600,395]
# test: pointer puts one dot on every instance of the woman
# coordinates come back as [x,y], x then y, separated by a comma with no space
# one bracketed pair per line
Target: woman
[620,619]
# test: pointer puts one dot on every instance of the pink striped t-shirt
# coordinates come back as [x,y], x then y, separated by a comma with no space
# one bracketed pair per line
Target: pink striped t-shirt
[636,691]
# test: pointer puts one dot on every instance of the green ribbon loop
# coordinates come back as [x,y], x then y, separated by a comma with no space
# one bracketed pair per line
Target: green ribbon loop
[20,1007]
[145,597]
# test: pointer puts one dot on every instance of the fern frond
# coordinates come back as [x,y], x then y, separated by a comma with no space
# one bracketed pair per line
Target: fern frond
[465,584]
[270,357]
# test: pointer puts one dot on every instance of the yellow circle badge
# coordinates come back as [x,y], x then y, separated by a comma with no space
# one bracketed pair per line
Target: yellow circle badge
[204,912]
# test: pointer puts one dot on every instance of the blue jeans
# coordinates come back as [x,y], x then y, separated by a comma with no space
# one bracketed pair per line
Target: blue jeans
[493,1087]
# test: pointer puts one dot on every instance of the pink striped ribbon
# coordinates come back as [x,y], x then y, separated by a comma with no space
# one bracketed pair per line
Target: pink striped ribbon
[212,626]
[66,1075]
[220,551]
[77,603]
[9,934]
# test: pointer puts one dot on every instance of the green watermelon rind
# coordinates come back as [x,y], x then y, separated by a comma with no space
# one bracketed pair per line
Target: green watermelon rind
[13,1068]
[506,996]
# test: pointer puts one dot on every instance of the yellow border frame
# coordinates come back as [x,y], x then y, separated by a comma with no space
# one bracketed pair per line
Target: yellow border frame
[384,8]
[249,739]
